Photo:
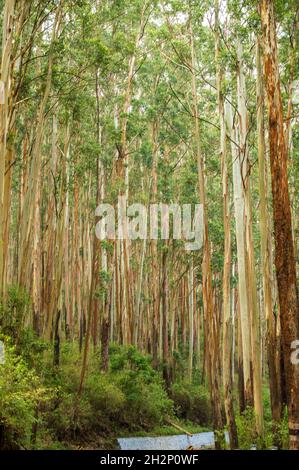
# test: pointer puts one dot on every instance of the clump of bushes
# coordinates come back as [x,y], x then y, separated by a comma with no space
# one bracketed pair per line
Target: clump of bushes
[130,396]
[147,402]
[192,402]
[275,434]
[13,312]
[40,407]
[245,423]
[21,393]
[68,417]
[39,402]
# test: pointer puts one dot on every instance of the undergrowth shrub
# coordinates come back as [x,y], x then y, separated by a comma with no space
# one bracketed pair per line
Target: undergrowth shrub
[245,423]
[130,396]
[13,312]
[12,324]
[282,431]
[192,402]
[106,399]
[21,393]
[146,401]
[40,406]
[69,418]
[275,434]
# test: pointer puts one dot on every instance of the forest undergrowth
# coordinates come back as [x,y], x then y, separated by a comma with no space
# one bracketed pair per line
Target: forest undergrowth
[41,409]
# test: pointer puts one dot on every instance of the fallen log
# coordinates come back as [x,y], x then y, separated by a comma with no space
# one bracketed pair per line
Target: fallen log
[168,421]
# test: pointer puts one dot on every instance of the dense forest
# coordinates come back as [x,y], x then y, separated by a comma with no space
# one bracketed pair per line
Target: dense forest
[188,107]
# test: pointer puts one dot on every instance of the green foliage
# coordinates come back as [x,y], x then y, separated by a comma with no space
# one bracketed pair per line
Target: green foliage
[13,311]
[21,394]
[104,279]
[192,402]
[105,397]
[129,397]
[275,434]
[246,429]
[129,358]
[69,417]
[12,317]
[40,406]
[282,432]
[146,401]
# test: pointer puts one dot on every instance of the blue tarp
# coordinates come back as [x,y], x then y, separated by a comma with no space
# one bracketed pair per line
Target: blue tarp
[179,442]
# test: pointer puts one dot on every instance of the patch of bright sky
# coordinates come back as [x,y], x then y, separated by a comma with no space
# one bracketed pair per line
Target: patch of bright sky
[182,17]
[208,18]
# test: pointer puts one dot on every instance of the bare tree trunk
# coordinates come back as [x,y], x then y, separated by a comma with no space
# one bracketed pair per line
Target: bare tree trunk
[122,171]
[30,200]
[68,310]
[284,247]
[239,207]
[209,306]
[191,320]
[5,93]
[249,249]
[95,268]
[105,326]
[56,356]
[36,261]
[165,314]
[227,313]
[154,246]
[271,343]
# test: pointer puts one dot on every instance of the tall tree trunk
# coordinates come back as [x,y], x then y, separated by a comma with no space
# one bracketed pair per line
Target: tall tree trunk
[30,200]
[284,247]
[165,315]
[249,248]
[191,320]
[68,310]
[227,312]
[239,208]
[213,346]
[122,171]
[271,343]
[6,108]
[154,247]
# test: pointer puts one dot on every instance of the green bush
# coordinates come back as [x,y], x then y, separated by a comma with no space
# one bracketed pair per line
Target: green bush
[130,396]
[147,402]
[70,417]
[246,429]
[21,393]
[275,434]
[106,399]
[12,318]
[192,402]
[282,431]
[12,313]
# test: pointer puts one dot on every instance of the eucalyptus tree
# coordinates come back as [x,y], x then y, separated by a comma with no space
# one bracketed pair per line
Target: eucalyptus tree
[284,245]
